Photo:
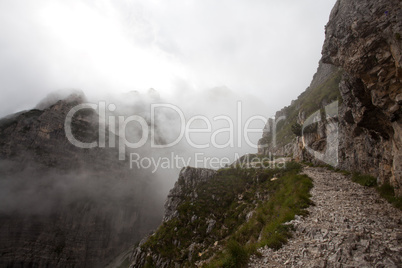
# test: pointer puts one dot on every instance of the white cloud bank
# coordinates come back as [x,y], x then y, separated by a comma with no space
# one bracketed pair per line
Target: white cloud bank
[266,48]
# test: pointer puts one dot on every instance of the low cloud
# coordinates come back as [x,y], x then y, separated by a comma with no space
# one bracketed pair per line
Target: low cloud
[263,48]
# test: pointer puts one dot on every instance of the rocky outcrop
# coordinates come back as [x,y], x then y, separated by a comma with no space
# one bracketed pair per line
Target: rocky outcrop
[185,189]
[349,226]
[364,39]
[63,206]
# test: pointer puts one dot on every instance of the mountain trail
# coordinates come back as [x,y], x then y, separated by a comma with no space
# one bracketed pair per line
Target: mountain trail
[349,226]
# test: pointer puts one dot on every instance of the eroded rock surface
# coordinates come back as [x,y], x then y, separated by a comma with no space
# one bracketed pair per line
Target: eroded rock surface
[185,188]
[189,178]
[363,39]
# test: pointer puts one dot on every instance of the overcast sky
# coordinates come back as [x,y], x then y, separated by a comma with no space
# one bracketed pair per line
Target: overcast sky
[266,48]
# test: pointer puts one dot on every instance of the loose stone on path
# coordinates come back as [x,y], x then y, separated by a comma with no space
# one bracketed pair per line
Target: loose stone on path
[349,226]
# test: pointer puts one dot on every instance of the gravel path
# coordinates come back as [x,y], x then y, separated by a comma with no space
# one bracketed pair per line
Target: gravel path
[349,226]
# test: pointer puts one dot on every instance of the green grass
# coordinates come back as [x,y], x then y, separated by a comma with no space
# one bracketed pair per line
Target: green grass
[290,197]
[236,255]
[387,192]
[149,263]
[365,180]
[228,198]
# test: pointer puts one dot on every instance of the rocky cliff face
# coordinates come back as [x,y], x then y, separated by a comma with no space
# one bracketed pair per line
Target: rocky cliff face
[63,206]
[185,190]
[363,38]
[211,217]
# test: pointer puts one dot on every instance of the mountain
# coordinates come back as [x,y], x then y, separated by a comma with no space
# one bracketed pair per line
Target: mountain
[349,118]
[216,217]
[361,69]
[64,206]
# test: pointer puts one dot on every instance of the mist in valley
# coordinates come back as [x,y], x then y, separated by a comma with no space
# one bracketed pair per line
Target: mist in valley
[32,187]
[198,74]
[118,195]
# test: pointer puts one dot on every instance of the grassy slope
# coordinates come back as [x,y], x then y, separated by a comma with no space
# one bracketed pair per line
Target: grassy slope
[227,199]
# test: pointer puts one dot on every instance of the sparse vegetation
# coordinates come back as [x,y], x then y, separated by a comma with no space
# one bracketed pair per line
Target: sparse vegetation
[387,192]
[237,255]
[297,129]
[290,196]
[365,180]
[149,263]
[245,205]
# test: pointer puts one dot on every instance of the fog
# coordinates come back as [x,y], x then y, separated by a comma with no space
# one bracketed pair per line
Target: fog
[30,187]
[209,65]
[211,105]
[265,48]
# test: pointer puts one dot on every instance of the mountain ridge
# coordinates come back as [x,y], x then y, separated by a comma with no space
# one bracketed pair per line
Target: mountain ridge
[63,206]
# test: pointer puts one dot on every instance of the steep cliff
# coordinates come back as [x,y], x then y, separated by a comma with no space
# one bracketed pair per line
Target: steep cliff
[220,217]
[184,193]
[63,206]
[363,38]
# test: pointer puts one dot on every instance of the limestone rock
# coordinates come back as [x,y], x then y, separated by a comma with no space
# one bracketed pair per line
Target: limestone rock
[361,39]
[349,226]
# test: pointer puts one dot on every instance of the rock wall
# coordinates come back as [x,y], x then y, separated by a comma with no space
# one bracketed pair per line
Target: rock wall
[363,38]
